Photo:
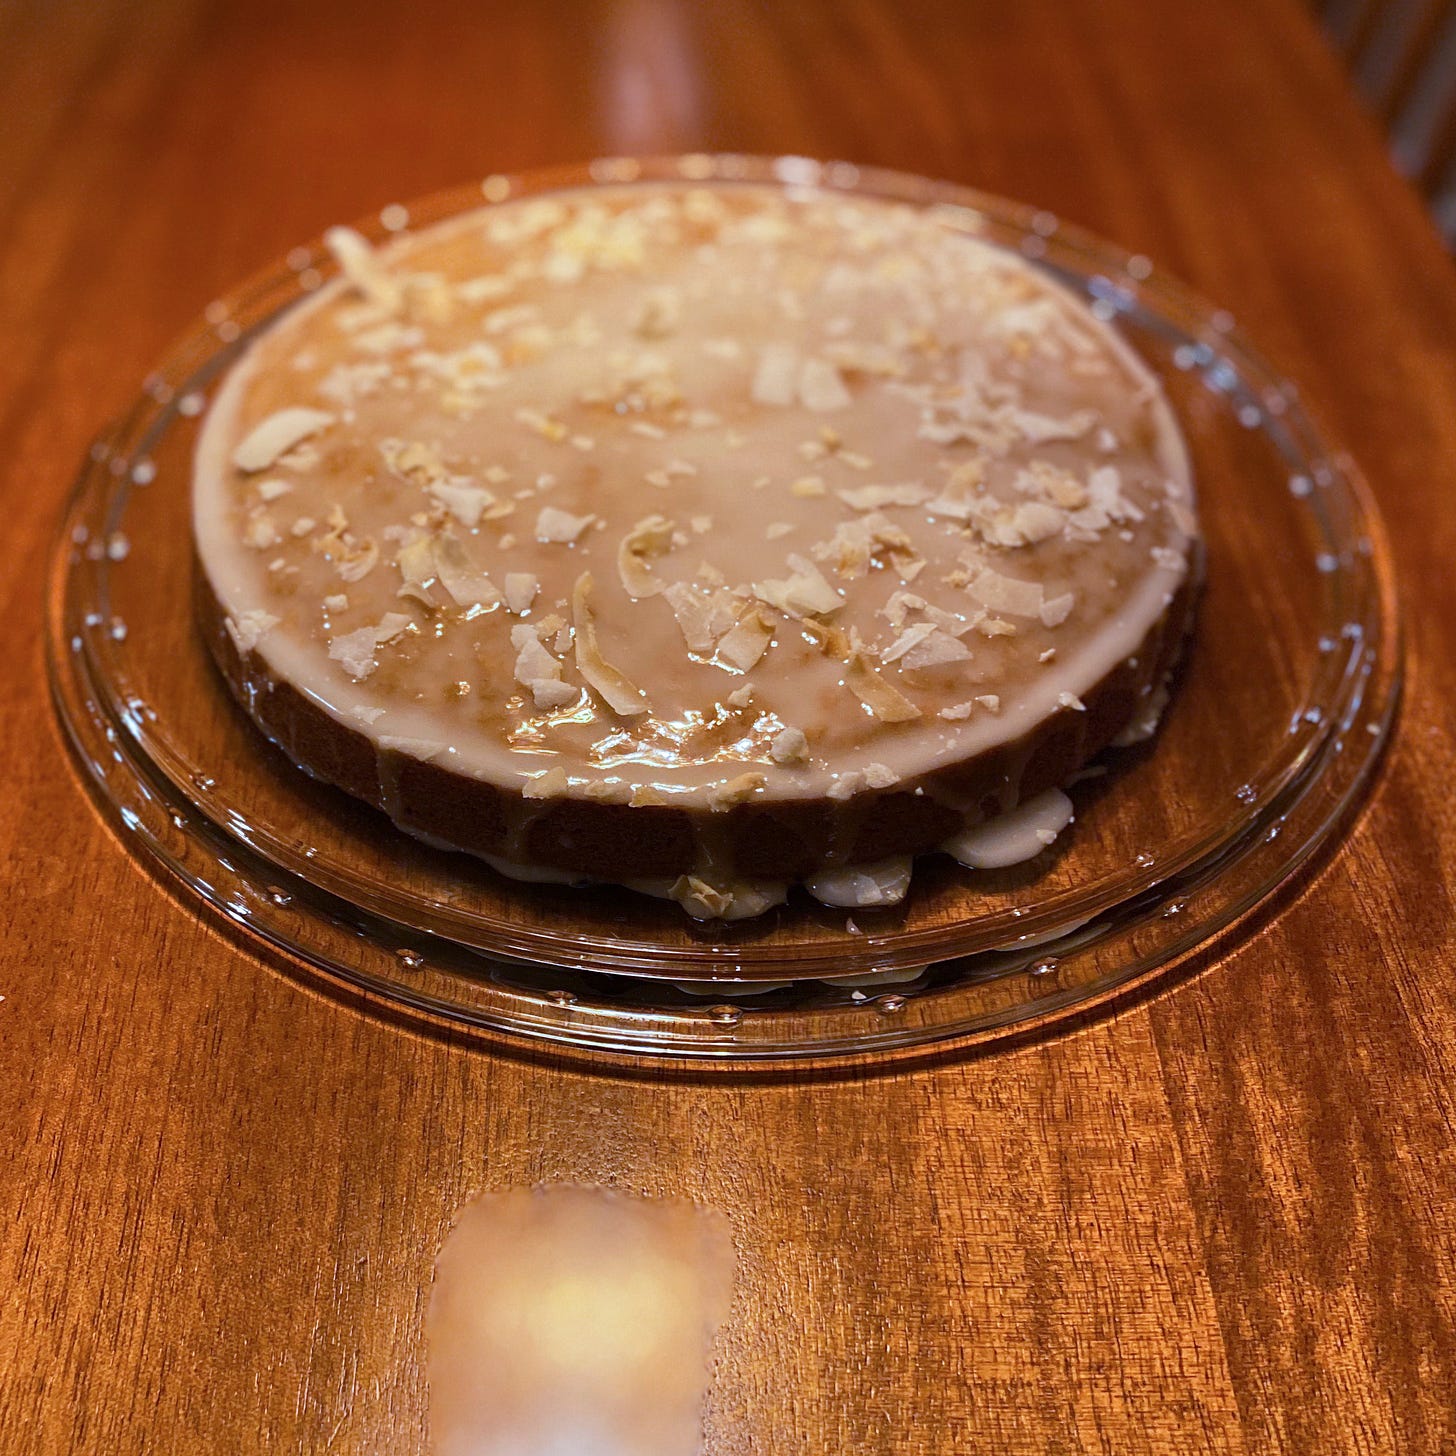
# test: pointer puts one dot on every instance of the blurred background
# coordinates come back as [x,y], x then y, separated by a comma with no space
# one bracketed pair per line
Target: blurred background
[1402,58]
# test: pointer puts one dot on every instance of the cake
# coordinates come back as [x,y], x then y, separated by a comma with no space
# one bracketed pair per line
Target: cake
[703,538]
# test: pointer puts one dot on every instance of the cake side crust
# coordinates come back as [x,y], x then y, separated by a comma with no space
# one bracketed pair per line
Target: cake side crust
[790,839]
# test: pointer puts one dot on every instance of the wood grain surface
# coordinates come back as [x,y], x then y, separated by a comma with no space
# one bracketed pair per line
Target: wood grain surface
[1222,1219]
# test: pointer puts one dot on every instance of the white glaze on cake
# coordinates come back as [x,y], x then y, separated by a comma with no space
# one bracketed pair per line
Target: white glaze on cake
[691,496]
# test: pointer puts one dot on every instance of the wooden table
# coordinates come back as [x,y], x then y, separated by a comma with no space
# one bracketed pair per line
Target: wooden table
[1222,1219]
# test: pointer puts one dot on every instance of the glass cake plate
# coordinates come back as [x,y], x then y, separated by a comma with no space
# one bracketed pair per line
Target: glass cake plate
[1285,698]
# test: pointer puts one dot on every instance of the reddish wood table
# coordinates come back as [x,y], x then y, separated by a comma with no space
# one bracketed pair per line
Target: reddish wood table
[1221,1219]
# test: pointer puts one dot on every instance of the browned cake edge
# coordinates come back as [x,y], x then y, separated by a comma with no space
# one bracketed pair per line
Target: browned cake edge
[786,839]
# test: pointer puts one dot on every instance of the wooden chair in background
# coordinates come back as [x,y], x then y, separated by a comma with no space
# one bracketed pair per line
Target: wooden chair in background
[1402,57]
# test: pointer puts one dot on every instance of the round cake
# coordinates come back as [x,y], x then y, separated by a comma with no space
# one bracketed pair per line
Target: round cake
[707,539]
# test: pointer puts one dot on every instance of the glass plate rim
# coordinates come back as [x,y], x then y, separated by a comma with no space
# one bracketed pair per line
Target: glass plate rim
[1120,270]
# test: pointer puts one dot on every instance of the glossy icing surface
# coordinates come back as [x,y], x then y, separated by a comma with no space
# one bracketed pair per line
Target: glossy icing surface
[691,495]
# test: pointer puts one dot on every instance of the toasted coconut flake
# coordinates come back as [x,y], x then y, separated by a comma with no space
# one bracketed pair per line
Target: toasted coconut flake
[886,702]
[469,586]
[876,497]
[1106,502]
[391,625]
[548,785]
[462,500]
[737,790]
[692,609]
[858,542]
[746,642]
[820,387]
[347,383]
[898,608]
[850,549]
[1038,429]
[950,431]
[741,697]
[968,477]
[808,487]
[1036,521]
[804,594]
[1000,593]
[416,562]
[991,702]
[270,490]
[260,533]
[867,358]
[957,712]
[995,627]
[414,460]
[277,435]
[247,629]
[389,338]
[1064,491]
[537,670]
[485,288]
[880,776]
[614,688]
[935,650]
[357,559]
[789,746]
[832,641]
[957,500]
[513,316]
[951,506]
[1072,701]
[426,749]
[355,651]
[651,536]
[521,589]
[609,791]
[1056,611]
[700,899]
[776,379]
[952,622]
[911,637]
[361,266]
[561,527]
[543,425]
